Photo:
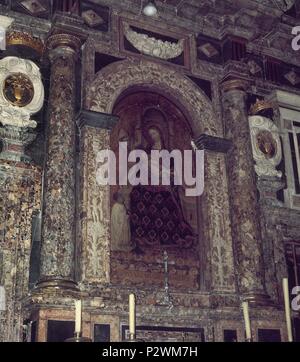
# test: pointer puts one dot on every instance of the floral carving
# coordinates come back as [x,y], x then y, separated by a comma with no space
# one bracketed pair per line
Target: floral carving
[116,78]
[152,46]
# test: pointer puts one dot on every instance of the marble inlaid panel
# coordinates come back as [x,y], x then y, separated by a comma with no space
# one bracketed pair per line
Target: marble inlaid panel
[217,225]
[94,209]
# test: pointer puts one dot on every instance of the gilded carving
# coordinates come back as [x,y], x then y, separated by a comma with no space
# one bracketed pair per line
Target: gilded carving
[18,89]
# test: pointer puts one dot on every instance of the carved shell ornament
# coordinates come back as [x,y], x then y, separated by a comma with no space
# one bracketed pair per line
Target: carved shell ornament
[152,46]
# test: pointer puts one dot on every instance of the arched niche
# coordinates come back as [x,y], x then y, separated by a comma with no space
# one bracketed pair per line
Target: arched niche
[103,94]
[147,220]
[116,79]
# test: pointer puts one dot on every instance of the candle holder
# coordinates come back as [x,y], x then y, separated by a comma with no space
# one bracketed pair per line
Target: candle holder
[132,338]
[78,338]
[249,339]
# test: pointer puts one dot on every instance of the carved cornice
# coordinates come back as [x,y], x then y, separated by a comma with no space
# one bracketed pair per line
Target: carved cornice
[25,39]
[236,76]
[211,143]
[96,119]
[259,106]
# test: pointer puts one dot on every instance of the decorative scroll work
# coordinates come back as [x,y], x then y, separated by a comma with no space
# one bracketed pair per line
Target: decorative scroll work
[22,92]
[152,46]
[266,146]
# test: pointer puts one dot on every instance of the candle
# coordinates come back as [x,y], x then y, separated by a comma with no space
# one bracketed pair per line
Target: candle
[285,285]
[77,316]
[245,307]
[132,314]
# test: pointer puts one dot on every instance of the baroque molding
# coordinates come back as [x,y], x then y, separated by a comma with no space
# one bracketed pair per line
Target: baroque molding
[259,106]
[63,41]
[25,39]
[234,84]
[21,95]
[114,79]
[96,119]
[10,113]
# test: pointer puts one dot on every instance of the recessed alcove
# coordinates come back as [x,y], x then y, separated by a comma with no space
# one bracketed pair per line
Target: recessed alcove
[153,219]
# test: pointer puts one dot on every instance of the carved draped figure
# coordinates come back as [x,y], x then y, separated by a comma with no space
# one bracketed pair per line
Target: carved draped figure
[120,227]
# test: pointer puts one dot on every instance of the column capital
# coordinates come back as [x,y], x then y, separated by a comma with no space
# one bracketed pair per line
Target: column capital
[59,42]
[234,84]
[236,77]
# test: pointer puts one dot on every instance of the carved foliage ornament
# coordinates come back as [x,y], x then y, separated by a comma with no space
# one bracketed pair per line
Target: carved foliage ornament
[109,84]
[17,38]
[152,46]
[266,146]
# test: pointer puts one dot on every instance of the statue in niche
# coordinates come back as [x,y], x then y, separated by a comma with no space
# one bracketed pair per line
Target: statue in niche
[156,212]
[120,225]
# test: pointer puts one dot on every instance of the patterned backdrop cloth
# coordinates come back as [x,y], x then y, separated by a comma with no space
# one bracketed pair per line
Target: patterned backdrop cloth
[156,218]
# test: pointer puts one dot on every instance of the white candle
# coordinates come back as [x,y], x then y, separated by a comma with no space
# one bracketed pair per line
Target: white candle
[245,307]
[285,285]
[77,316]
[132,314]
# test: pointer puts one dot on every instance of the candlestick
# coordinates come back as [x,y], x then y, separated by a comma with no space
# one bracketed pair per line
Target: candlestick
[285,285]
[132,316]
[77,316]
[245,307]
[78,338]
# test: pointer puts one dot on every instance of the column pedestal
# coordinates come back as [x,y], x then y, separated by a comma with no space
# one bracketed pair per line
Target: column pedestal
[14,141]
